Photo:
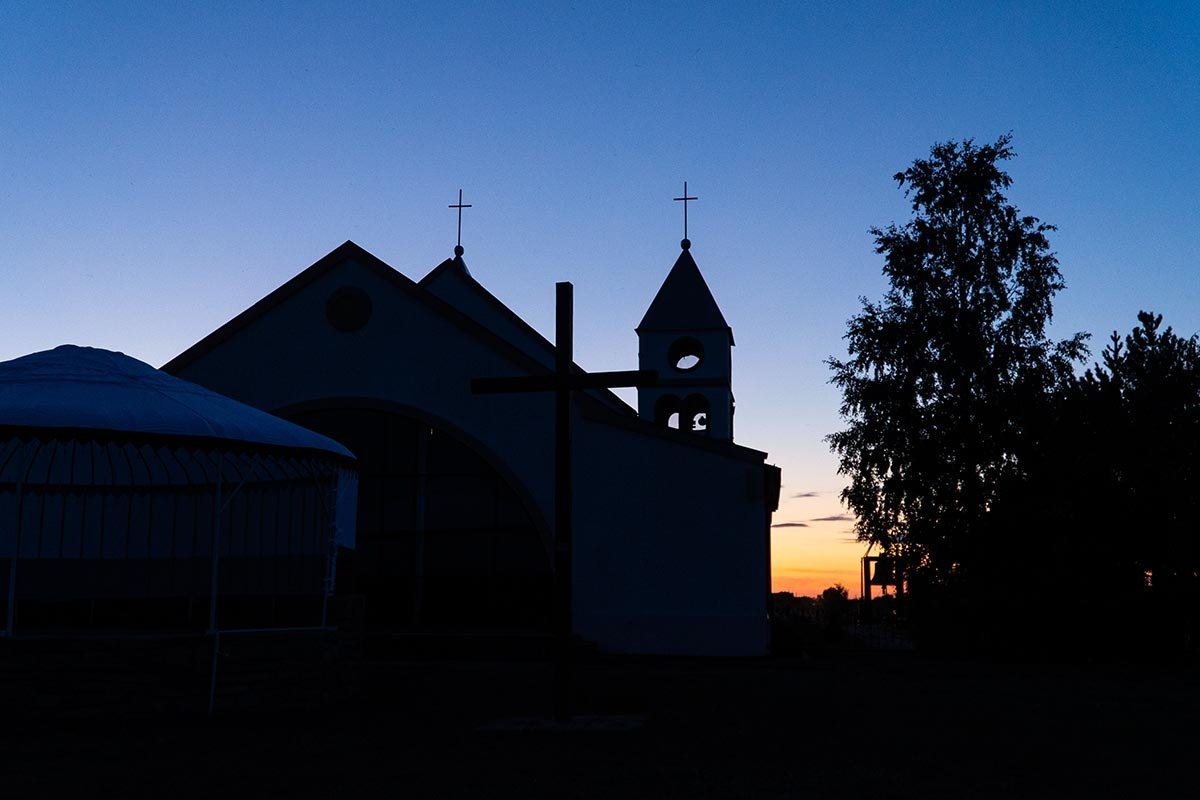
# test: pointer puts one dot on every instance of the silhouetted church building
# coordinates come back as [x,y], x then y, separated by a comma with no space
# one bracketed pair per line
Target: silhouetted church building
[456,490]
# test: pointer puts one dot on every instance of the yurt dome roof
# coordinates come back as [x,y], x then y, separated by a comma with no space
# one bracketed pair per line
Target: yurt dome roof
[89,389]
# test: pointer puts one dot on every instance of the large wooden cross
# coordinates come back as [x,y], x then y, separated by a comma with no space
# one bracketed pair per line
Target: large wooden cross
[562,383]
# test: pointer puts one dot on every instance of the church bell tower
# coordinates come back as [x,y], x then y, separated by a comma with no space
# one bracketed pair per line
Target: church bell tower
[685,338]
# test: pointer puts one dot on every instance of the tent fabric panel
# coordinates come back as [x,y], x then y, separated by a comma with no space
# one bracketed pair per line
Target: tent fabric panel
[29,518]
[91,526]
[121,469]
[39,465]
[172,471]
[73,526]
[114,516]
[346,520]
[9,463]
[8,523]
[162,531]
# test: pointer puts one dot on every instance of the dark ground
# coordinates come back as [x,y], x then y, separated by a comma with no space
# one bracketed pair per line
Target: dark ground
[841,725]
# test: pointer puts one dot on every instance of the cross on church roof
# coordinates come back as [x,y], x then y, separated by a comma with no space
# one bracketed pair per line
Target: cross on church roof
[686,243]
[458,248]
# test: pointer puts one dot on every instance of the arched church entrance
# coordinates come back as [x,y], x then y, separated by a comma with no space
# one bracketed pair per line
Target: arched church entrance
[445,539]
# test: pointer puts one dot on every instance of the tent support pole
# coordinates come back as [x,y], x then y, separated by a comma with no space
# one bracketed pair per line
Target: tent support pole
[12,567]
[212,597]
[329,511]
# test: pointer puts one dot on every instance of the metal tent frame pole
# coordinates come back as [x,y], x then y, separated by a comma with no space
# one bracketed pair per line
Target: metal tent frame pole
[23,475]
[212,598]
[329,503]
[219,506]
[12,566]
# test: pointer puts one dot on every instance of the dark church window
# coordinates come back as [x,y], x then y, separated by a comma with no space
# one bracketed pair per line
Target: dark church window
[348,309]
[685,354]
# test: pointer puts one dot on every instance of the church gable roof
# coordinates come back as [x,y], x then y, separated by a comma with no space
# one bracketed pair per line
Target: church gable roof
[684,303]
[601,406]
[454,265]
[347,251]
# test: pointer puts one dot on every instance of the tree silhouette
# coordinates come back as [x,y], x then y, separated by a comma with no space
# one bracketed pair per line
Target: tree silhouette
[835,607]
[1103,523]
[1152,380]
[952,369]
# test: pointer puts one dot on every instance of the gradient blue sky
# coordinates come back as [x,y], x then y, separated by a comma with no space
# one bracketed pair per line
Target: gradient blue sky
[164,165]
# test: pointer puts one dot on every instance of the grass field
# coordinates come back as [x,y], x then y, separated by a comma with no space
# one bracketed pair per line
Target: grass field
[844,725]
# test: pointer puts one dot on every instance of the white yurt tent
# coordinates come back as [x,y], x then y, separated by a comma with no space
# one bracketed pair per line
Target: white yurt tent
[130,499]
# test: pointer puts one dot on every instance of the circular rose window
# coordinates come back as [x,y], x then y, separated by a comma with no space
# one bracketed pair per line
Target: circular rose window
[348,309]
[685,354]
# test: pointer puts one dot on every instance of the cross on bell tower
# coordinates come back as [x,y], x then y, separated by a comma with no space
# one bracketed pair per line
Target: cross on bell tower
[686,243]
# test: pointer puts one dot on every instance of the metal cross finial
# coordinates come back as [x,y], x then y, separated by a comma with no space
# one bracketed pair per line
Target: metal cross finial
[686,243]
[458,248]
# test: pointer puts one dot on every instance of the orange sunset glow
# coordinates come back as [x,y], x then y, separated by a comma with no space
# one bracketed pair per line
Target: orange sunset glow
[813,545]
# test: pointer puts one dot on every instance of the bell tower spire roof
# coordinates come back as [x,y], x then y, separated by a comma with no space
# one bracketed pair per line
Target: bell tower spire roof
[684,303]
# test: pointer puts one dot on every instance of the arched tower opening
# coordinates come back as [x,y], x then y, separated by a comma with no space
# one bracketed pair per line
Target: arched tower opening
[668,411]
[695,414]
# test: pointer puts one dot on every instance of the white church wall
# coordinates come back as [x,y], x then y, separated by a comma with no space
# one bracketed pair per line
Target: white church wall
[671,547]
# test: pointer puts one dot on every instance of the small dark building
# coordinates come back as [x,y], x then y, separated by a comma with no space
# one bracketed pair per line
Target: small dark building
[130,499]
